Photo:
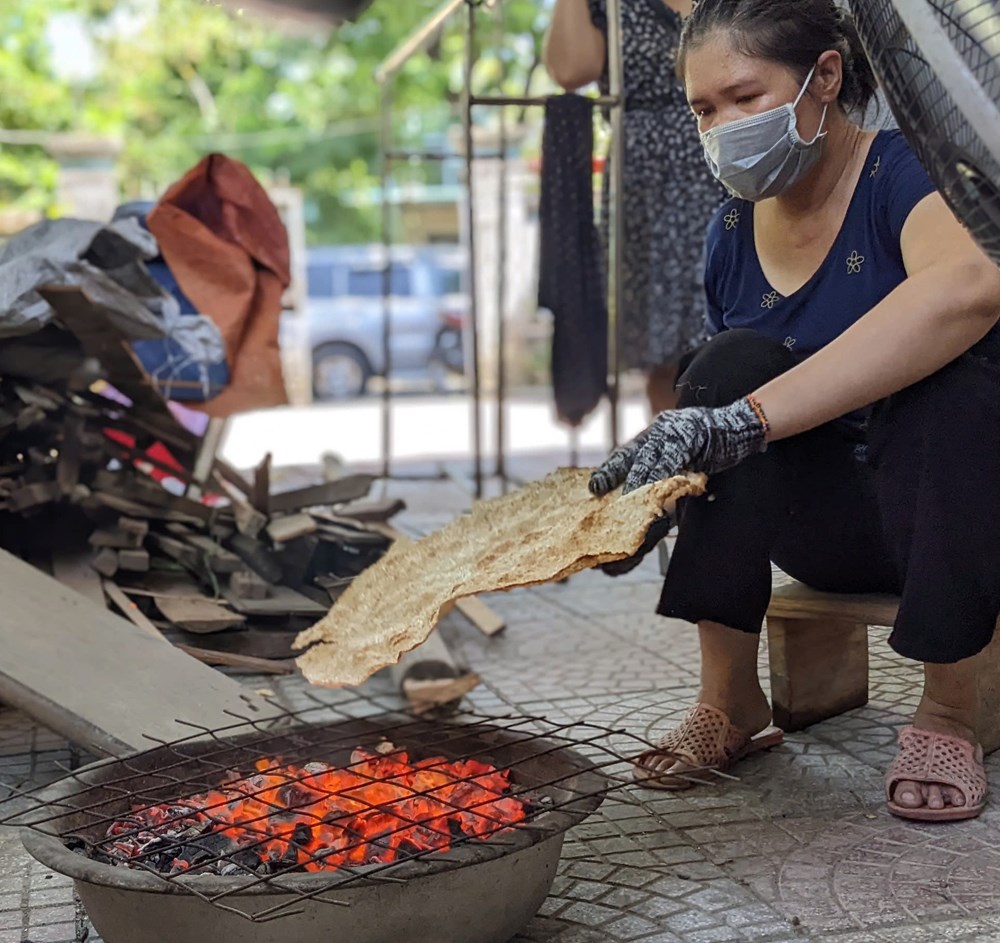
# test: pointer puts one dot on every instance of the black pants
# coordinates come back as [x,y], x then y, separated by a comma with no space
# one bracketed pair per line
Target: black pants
[920,518]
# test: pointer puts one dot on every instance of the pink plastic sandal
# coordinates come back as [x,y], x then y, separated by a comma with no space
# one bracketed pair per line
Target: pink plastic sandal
[705,740]
[928,757]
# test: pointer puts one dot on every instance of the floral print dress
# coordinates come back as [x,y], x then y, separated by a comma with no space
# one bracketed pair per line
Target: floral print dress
[669,193]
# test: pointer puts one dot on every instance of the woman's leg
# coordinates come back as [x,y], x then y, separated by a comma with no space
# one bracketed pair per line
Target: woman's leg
[950,706]
[661,389]
[805,501]
[935,447]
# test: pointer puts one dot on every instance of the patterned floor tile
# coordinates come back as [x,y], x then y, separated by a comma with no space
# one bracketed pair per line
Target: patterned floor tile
[797,846]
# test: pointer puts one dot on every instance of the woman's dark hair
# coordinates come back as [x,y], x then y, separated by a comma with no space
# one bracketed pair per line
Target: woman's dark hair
[792,32]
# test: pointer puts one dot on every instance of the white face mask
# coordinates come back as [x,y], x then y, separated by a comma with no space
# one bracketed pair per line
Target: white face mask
[760,156]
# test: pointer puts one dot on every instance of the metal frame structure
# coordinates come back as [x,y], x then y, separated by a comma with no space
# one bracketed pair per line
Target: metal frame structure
[613,101]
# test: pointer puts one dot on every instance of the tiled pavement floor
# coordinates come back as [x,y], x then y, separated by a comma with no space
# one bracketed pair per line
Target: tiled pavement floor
[799,848]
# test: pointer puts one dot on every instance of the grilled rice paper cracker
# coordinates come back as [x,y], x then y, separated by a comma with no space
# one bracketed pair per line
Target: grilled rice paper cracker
[545,531]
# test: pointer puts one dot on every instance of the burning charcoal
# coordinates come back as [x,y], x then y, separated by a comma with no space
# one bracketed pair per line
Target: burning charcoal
[314,769]
[246,861]
[217,844]
[407,849]
[193,832]
[316,817]
[190,860]
[297,795]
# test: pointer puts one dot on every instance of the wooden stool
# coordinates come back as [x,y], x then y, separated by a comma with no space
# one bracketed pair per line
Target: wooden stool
[818,648]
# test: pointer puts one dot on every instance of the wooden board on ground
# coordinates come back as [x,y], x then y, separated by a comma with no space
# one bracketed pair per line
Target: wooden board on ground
[161,583]
[262,666]
[90,324]
[281,601]
[98,680]
[283,529]
[201,616]
[369,509]
[247,518]
[219,559]
[131,611]
[261,484]
[481,616]
[72,568]
[271,644]
[426,695]
[348,488]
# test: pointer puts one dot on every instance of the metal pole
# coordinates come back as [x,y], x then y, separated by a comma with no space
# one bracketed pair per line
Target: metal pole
[386,172]
[599,101]
[615,216]
[417,41]
[477,439]
[502,193]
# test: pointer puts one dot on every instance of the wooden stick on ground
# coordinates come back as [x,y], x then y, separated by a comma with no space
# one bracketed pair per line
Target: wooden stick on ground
[201,616]
[231,660]
[429,693]
[481,616]
[131,611]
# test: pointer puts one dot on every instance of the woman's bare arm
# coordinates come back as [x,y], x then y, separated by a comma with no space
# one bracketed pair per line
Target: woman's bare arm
[949,301]
[575,49]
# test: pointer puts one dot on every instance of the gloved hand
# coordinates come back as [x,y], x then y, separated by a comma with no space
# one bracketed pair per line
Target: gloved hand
[657,531]
[681,440]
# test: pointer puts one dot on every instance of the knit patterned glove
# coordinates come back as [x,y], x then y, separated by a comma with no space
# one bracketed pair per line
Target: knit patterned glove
[681,440]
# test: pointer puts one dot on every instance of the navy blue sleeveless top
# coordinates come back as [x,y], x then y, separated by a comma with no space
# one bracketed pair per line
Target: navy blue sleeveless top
[864,265]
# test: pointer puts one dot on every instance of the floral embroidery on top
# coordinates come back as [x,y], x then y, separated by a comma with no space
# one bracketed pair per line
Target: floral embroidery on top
[876,166]
[731,219]
[854,263]
[770,299]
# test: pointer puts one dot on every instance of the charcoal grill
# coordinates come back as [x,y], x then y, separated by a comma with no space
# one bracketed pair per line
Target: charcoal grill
[480,890]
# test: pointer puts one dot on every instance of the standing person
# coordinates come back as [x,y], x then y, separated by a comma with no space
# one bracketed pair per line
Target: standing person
[669,193]
[836,279]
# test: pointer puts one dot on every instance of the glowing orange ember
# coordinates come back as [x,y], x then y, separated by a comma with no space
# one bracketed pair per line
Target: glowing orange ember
[320,818]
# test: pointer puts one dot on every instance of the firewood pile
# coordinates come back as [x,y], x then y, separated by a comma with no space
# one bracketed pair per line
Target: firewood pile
[104,488]
[105,485]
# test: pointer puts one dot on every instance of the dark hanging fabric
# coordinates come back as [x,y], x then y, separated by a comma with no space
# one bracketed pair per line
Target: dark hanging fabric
[571,282]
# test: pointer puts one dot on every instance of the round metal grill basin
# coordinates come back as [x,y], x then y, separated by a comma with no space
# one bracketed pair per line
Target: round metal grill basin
[479,891]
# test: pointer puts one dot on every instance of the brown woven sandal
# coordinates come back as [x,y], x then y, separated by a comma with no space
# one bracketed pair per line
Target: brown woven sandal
[928,757]
[707,742]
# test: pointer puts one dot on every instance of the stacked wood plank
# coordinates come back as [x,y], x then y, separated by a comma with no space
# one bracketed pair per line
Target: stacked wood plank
[103,487]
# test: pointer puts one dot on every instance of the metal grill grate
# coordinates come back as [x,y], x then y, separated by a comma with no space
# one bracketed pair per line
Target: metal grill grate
[939,64]
[554,775]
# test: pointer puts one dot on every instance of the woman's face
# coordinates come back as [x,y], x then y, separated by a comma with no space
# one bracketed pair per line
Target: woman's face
[724,85]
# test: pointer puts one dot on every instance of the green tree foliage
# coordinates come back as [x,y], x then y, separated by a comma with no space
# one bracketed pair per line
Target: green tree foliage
[179,78]
[30,100]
